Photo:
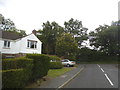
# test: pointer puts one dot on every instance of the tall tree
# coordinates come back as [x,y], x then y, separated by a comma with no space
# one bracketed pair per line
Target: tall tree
[48,36]
[8,25]
[76,29]
[106,39]
[66,46]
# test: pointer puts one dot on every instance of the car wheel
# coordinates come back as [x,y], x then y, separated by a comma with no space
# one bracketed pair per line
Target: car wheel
[68,65]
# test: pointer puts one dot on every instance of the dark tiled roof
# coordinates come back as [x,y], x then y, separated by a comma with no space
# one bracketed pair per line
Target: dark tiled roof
[10,35]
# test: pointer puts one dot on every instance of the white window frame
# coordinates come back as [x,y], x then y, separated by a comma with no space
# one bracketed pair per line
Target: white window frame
[7,45]
[29,44]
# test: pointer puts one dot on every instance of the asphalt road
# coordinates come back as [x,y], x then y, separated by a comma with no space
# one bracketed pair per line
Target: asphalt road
[96,76]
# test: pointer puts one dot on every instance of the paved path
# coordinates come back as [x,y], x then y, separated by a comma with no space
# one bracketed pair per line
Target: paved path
[57,82]
[96,76]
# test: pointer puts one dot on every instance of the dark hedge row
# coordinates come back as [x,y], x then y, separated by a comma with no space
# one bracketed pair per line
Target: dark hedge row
[16,72]
[54,58]
[41,64]
[56,65]
[14,78]
[16,63]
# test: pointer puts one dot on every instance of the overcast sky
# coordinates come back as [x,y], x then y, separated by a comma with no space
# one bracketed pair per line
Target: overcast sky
[30,14]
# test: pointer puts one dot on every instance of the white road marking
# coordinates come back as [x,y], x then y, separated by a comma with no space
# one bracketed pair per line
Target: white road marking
[109,80]
[106,76]
[102,69]
[98,65]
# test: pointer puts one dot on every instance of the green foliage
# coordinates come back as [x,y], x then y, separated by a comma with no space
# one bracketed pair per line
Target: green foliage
[94,56]
[52,31]
[16,63]
[76,29]
[48,36]
[41,65]
[73,26]
[66,46]
[8,25]
[14,78]
[53,73]
[56,65]
[106,38]
[88,55]
[54,58]
[16,72]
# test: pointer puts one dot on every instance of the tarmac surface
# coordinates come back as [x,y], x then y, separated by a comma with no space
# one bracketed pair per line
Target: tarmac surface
[86,76]
[59,81]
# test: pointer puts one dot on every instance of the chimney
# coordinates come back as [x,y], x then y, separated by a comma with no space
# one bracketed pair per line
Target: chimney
[34,32]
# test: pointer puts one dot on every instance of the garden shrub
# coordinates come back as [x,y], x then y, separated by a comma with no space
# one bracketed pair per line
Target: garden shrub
[14,78]
[56,65]
[13,66]
[41,65]
[16,63]
[54,58]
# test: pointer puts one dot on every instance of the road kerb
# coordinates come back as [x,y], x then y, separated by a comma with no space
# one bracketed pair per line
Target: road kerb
[70,79]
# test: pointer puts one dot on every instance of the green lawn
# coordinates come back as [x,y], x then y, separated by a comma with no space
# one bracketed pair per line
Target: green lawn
[52,73]
[57,72]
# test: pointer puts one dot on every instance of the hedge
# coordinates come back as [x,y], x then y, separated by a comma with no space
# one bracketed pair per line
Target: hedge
[56,65]
[54,58]
[14,78]
[16,70]
[41,65]
[16,63]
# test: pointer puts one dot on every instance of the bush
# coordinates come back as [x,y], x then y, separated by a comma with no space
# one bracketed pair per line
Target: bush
[41,65]
[14,66]
[88,55]
[14,78]
[54,58]
[56,65]
[16,63]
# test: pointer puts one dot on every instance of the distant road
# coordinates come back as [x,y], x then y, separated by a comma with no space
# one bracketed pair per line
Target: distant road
[96,76]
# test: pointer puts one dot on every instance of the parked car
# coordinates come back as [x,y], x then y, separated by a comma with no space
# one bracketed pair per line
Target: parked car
[68,63]
[53,61]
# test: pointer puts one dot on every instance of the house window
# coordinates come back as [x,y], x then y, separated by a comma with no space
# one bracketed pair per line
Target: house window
[6,44]
[32,44]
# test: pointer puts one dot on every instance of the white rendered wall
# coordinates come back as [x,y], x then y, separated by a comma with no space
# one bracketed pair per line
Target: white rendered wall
[20,46]
[25,49]
[10,50]
[1,45]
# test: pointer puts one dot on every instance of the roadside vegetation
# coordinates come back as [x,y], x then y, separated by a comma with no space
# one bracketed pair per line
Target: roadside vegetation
[61,42]
[53,73]
[69,41]
[31,69]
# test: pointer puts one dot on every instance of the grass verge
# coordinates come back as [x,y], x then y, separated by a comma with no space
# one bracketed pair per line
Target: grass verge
[57,72]
[52,73]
